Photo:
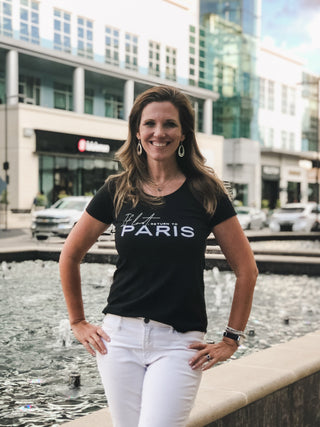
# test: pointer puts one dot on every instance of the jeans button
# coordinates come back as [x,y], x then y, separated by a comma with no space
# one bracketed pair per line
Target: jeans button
[146,320]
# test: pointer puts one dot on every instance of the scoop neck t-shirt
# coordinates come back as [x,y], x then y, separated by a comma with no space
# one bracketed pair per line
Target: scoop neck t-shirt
[161,248]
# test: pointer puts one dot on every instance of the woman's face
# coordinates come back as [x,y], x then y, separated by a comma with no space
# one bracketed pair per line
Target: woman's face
[160,130]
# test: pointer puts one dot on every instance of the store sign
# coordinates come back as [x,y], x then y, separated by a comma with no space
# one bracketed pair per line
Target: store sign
[79,145]
[93,146]
[271,173]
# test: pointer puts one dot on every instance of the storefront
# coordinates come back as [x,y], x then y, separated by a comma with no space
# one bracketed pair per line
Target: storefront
[73,164]
[284,177]
[270,186]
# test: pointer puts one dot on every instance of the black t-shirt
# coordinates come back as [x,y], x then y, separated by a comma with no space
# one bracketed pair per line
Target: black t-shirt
[159,272]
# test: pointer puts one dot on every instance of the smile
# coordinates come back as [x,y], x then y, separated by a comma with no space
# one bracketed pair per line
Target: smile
[159,144]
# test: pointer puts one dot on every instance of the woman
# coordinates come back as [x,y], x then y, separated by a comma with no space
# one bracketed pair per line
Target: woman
[151,349]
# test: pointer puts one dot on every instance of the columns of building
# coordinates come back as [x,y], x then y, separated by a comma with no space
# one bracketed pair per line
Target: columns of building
[128,98]
[12,77]
[78,90]
[207,117]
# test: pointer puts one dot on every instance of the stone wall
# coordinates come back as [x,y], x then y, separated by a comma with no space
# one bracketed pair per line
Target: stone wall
[276,387]
[297,405]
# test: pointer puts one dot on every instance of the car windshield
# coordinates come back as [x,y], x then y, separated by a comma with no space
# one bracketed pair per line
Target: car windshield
[77,205]
[290,210]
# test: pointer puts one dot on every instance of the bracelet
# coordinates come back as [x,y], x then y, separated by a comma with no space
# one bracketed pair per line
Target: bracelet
[234,331]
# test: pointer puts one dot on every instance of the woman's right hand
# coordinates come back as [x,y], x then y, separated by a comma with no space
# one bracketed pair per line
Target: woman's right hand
[90,336]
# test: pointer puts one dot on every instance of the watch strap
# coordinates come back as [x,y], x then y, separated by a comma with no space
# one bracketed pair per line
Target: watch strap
[232,336]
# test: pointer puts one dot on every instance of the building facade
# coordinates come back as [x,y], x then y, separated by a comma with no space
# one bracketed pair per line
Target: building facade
[231,36]
[229,52]
[288,129]
[68,77]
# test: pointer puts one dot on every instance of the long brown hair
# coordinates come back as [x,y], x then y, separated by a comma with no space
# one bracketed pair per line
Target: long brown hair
[202,180]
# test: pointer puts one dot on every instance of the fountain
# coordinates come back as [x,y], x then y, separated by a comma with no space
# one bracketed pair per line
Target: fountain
[49,378]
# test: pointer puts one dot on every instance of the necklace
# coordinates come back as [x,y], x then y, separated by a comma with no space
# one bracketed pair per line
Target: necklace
[160,187]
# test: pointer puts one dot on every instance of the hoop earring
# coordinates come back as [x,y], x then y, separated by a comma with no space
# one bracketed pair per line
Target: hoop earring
[181,150]
[139,148]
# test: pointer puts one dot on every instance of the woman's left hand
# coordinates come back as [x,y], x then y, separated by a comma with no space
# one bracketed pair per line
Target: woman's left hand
[210,354]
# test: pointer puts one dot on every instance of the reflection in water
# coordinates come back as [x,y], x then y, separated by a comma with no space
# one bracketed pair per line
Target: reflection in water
[41,363]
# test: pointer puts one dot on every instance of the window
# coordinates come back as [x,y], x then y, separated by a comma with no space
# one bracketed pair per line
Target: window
[6,18]
[88,101]
[112,46]
[262,137]
[30,88]
[262,93]
[62,96]
[291,141]
[192,56]
[154,58]
[271,137]
[229,81]
[270,95]
[62,31]
[202,56]
[113,106]
[241,193]
[131,52]
[171,63]
[284,139]
[292,101]
[85,38]
[29,21]
[284,99]
[2,90]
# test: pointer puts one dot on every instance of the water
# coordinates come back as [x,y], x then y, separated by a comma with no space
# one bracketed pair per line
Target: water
[41,362]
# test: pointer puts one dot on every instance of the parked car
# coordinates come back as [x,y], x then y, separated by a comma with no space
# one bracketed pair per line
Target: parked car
[59,219]
[296,217]
[251,218]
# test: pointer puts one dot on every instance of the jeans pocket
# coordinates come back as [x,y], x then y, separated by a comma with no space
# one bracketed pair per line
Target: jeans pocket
[187,338]
[110,324]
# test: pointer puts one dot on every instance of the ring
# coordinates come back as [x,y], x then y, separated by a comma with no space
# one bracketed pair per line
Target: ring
[208,357]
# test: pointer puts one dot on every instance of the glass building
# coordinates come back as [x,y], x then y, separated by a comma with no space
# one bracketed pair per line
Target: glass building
[227,64]
[310,127]
[310,122]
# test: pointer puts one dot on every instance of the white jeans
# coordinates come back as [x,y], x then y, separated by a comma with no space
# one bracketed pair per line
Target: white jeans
[146,376]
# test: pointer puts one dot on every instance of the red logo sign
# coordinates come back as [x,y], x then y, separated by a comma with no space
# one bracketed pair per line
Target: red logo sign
[82,145]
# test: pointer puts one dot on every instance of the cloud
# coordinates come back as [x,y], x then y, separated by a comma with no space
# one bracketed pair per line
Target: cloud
[312,29]
[297,35]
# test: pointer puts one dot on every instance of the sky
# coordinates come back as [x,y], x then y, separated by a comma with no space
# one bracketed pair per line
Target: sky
[294,27]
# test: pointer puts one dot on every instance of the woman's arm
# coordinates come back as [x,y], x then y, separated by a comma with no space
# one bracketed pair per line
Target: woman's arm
[79,241]
[236,248]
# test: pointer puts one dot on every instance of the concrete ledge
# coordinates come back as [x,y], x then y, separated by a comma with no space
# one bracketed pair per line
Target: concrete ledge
[238,383]
[276,264]
[266,263]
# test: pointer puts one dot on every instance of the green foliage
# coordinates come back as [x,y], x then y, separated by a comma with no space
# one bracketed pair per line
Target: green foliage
[4,197]
[41,200]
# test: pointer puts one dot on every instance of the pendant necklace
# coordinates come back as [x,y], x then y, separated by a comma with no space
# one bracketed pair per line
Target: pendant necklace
[160,187]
